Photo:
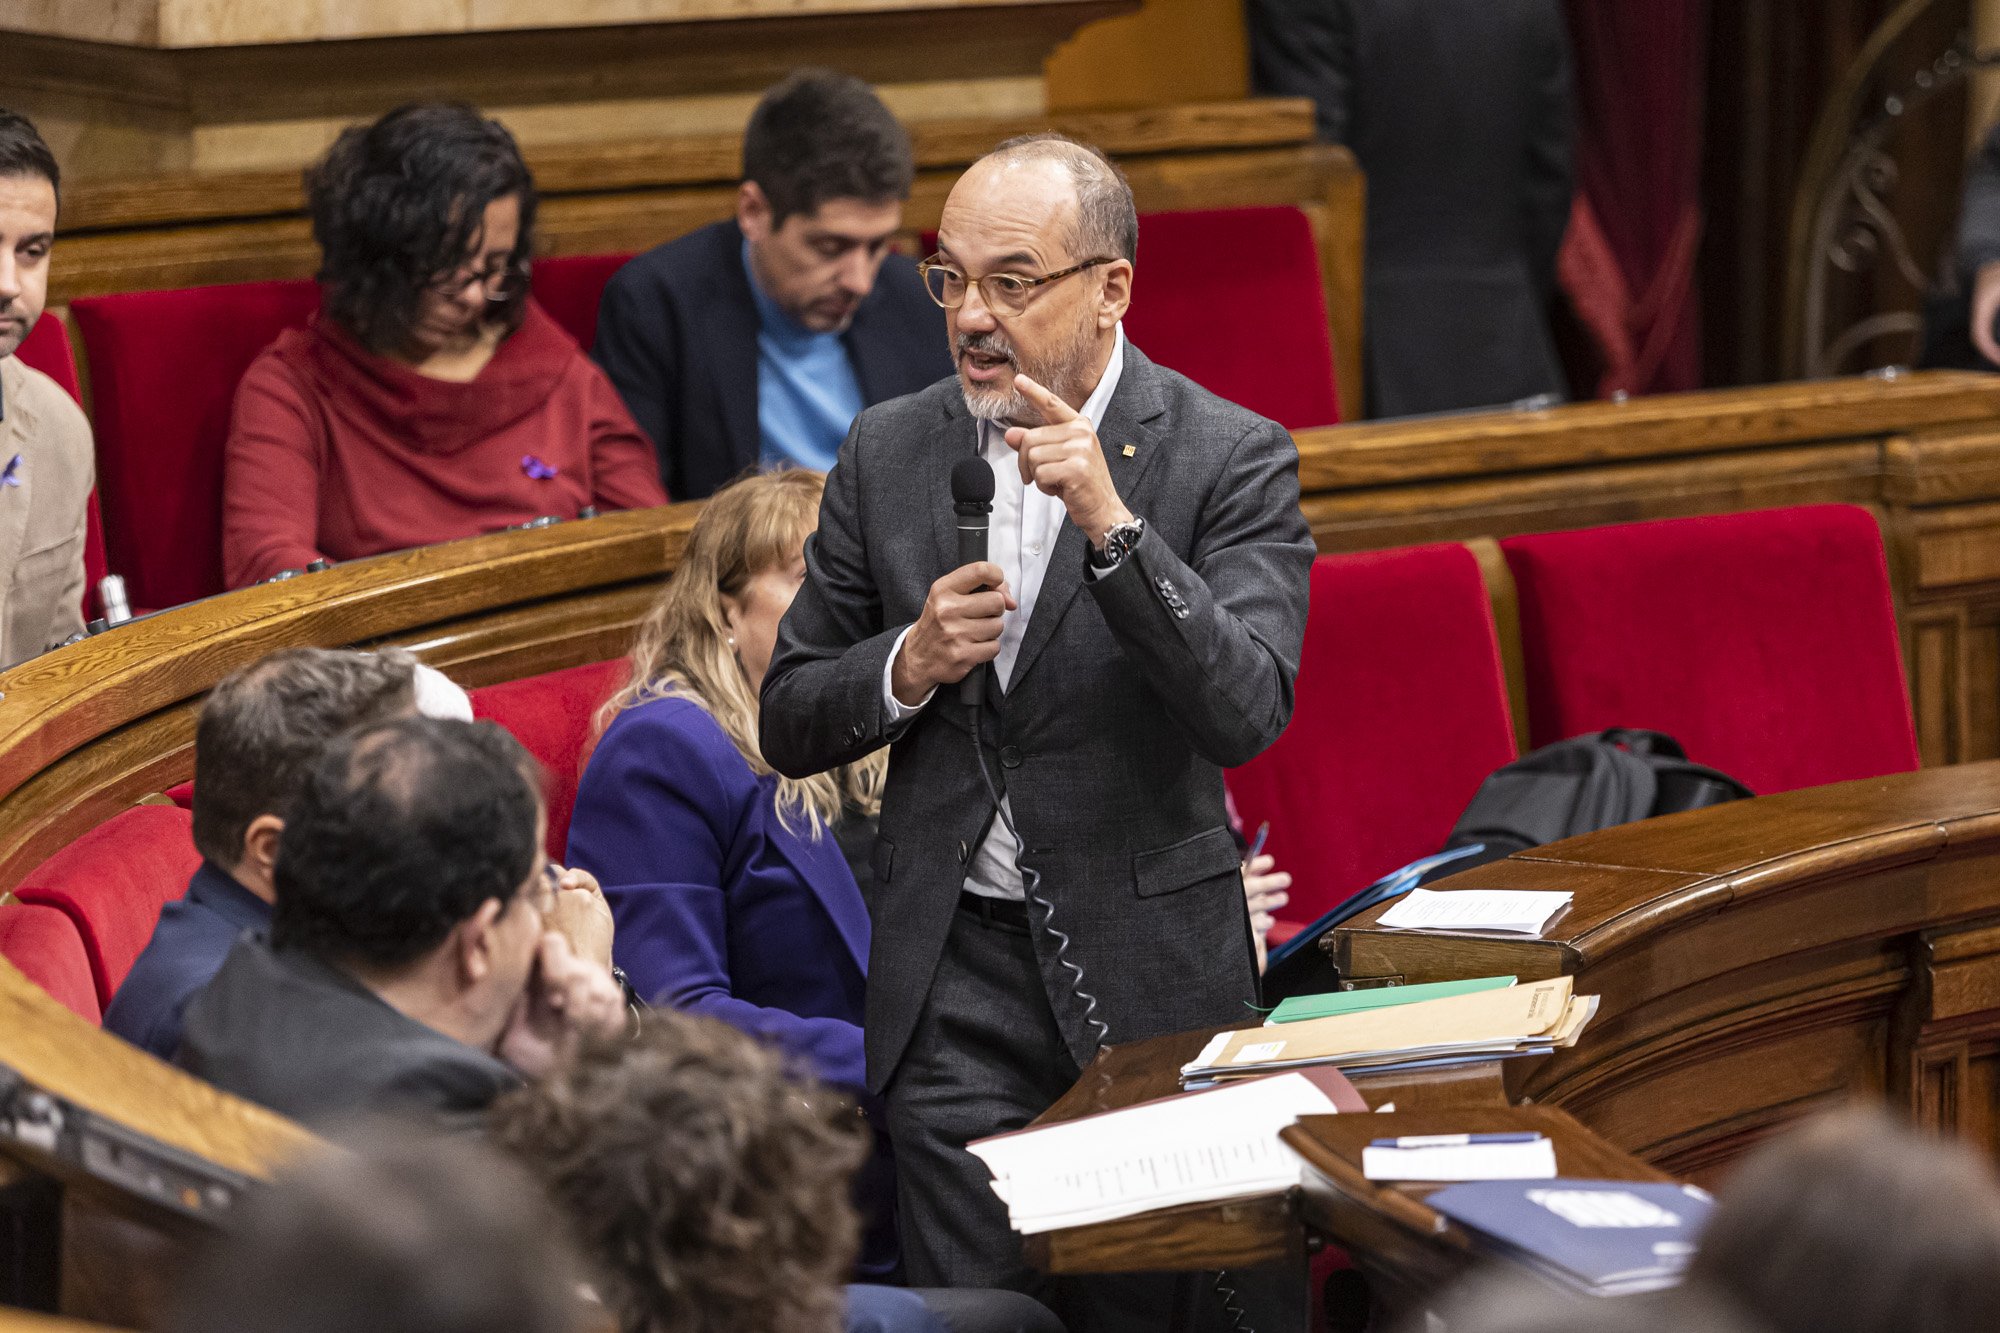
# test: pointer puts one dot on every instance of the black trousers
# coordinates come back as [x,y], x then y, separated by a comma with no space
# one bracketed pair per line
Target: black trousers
[986,1058]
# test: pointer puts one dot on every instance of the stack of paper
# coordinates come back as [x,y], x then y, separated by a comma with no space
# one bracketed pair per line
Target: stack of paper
[1515,911]
[1600,1237]
[1516,1020]
[1302,1007]
[1218,1145]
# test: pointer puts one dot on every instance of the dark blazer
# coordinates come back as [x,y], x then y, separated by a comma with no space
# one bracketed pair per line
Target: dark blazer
[305,1039]
[677,333]
[1459,114]
[721,909]
[194,935]
[1125,704]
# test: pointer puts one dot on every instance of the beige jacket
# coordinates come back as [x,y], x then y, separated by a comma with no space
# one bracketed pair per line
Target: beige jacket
[41,512]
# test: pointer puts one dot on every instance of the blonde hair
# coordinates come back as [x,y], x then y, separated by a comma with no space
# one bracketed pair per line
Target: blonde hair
[683,650]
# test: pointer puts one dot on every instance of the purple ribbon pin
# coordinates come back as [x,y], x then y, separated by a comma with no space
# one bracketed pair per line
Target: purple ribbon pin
[536,468]
[11,474]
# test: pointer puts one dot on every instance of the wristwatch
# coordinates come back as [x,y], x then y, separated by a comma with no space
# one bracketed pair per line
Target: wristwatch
[1119,539]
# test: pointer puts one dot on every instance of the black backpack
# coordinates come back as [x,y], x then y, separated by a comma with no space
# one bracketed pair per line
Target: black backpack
[1583,784]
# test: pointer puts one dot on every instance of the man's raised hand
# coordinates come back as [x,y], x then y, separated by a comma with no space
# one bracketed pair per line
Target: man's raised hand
[1063,458]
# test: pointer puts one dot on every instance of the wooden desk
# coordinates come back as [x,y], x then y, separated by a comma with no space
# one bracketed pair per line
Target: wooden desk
[113,1160]
[1405,1248]
[1241,1233]
[1757,960]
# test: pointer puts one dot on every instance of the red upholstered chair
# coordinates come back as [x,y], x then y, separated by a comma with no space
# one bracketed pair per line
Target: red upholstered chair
[112,882]
[1765,642]
[569,287]
[42,943]
[551,715]
[1233,299]
[1402,710]
[47,349]
[163,374]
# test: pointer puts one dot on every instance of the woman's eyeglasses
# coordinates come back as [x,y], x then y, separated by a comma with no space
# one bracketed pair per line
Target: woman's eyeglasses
[499,282]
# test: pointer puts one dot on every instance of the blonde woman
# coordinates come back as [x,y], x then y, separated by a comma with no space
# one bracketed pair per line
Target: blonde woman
[727,882]
[731,894]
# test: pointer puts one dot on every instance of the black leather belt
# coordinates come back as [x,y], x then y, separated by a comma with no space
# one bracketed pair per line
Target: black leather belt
[1006,913]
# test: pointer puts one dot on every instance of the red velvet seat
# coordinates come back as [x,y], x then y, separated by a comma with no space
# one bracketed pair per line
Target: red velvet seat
[47,349]
[42,943]
[551,715]
[569,288]
[1765,643]
[112,882]
[1233,299]
[163,373]
[1402,710]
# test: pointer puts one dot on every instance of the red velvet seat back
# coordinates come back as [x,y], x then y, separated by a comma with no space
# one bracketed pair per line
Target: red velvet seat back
[47,349]
[1232,298]
[1765,643]
[42,943]
[551,715]
[1402,711]
[163,373]
[112,882]
[569,288]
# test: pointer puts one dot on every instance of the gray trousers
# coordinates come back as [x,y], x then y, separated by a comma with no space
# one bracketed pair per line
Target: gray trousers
[986,1058]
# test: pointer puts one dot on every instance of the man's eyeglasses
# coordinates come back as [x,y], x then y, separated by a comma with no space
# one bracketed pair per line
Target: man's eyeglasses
[501,282]
[1004,293]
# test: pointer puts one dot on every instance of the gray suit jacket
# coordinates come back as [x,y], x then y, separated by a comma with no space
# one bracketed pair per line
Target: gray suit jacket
[1125,703]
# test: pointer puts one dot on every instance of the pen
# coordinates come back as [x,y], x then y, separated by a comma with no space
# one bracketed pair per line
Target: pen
[1257,843]
[1455,1140]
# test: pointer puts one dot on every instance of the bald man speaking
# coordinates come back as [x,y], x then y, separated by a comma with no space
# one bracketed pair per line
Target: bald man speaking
[1068,878]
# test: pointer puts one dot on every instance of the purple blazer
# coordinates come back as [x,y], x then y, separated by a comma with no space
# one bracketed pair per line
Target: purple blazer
[720,910]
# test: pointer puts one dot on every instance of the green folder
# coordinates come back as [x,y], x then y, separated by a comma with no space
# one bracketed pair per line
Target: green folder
[1301,1007]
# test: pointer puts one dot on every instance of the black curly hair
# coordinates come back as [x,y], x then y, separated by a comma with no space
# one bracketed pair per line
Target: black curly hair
[398,205]
[398,833]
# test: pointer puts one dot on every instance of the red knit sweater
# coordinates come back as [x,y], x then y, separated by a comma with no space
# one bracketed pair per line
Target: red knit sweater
[337,453]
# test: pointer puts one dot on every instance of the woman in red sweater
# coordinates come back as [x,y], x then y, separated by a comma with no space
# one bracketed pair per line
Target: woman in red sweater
[431,398]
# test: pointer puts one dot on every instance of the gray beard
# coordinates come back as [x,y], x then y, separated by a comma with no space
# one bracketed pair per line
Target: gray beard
[1010,407]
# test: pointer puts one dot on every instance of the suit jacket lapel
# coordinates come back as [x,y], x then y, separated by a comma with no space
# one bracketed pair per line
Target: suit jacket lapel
[731,331]
[1127,422]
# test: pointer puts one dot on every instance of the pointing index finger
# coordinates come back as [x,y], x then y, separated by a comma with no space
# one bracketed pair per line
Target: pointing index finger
[1053,409]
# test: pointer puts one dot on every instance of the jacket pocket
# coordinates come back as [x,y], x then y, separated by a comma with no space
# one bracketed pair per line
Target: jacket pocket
[1190,861]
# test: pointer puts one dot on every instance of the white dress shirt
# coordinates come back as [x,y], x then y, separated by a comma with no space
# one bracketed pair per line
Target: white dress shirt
[1025,524]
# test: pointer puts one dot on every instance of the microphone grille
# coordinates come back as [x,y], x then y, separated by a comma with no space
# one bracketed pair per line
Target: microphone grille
[972,482]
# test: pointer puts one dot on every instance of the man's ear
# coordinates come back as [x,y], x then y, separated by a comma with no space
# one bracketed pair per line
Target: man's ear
[475,943]
[1116,295]
[753,212]
[260,844]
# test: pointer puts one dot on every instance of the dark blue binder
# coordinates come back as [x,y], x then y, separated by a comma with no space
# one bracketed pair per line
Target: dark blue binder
[1599,1237]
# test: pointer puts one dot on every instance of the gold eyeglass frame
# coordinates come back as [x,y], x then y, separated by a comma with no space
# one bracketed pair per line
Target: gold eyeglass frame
[1029,286]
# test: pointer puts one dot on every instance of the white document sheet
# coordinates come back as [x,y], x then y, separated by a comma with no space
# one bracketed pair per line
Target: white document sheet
[1193,1149]
[1466,1161]
[1515,911]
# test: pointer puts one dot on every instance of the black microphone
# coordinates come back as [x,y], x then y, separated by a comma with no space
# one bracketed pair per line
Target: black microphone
[972,501]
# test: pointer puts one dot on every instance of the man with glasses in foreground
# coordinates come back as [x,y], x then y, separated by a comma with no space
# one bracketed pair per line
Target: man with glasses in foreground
[412,966]
[1141,612]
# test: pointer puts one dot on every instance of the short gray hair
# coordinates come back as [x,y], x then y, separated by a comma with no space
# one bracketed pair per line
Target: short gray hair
[1107,221]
